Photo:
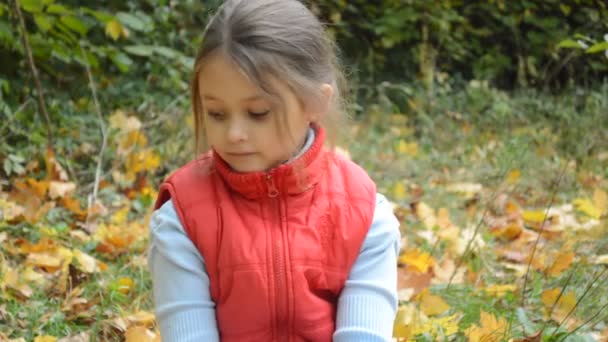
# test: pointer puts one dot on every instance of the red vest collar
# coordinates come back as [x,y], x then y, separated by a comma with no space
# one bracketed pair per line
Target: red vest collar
[294,177]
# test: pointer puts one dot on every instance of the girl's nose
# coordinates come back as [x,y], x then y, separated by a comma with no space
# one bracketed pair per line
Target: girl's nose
[237,131]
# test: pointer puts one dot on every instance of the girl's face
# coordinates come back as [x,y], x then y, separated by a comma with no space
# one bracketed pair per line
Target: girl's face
[242,124]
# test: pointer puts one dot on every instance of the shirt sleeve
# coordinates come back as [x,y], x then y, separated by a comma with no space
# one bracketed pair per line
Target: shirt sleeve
[368,303]
[183,305]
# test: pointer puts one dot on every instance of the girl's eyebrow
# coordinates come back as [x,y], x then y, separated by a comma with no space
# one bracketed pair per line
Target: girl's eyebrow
[248,99]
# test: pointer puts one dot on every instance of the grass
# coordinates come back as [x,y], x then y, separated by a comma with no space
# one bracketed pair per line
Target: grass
[416,150]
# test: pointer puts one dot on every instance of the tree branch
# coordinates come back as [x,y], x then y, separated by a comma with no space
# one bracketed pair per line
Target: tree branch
[41,104]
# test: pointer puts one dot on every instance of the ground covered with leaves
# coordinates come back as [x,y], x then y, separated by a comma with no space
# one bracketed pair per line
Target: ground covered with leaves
[502,200]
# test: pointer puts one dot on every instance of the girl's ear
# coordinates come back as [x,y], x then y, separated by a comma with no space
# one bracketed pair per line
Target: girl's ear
[323,106]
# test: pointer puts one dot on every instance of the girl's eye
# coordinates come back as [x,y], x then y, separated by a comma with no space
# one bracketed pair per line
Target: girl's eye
[259,115]
[215,115]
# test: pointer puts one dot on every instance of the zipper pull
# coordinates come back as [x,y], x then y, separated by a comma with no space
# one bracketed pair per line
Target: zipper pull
[272,189]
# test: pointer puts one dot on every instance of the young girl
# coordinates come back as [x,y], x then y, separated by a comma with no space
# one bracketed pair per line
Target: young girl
[268,235]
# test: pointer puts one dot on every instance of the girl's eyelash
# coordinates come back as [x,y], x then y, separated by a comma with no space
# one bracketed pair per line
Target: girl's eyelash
[259,114]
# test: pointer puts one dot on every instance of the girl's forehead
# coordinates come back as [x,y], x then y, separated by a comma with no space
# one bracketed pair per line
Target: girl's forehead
[220,78]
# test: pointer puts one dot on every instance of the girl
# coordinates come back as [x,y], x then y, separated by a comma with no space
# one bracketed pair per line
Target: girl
[269,235]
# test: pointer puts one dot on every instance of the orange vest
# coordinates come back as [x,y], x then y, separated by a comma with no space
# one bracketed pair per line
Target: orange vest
[278,246]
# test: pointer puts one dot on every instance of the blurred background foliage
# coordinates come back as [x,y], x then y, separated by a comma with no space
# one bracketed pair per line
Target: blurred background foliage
[403,56]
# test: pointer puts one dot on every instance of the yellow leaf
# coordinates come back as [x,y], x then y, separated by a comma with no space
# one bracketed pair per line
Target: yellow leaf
[419,260]
[125,285]
[564,305]
[407,148]
[432,305]
[600,200]
[561,263]
[534,216]
[120,217]
[141,318]
[139,334]
[399,191]
[438,328]
[45,338]
[513,176]
[114,29]
[86,263]
[585,206]
[500,290]
[489,330]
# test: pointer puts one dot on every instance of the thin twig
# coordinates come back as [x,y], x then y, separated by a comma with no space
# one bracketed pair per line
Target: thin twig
[580,299]
[561,292]
[30,59]
[585,322]
[93,198]
[475,232]
[540,233]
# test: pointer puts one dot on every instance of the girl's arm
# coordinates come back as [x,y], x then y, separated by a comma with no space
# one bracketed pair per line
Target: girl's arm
[184,308]
[368,302]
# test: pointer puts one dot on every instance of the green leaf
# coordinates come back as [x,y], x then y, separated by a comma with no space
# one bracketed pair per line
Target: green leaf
[122,61]
[140,50]
[101,16]
[598,47]
[166,52]
[91,60]
[32,6]
[569,44]
[75,24]
[44,22]
[58,9]
[61,53]
[131,21]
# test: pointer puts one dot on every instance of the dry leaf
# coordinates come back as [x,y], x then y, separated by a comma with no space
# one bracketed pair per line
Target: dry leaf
[561,263]
[566,303]
[513,176]
[86,263]
[587,207]
[419,260]
[489,329]
[499,290]
[431,305]
[61,189]
[600,200]
[139,334]
[82,337]
[45,338]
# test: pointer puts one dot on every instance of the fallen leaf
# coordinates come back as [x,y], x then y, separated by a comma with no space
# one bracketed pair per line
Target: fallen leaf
[425,214]
[413,280]
[534,216]
[82,337]
[61,189]
[513,176]
[45,338]
[419,260]
[561,263]
[584,205]
[600,200]
[142,318]
[499,291]
[86,263]
[139,334]
[564,305]
[430,304]
[399,191]
[490,329]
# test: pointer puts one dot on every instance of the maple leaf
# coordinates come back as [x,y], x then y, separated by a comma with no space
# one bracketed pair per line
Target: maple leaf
[141,334]
[419,260]
[490,329]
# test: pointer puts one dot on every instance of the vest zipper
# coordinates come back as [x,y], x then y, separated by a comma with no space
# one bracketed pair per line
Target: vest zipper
[279,265]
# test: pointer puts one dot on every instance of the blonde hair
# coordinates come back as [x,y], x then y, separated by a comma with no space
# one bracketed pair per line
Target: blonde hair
[277,38]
